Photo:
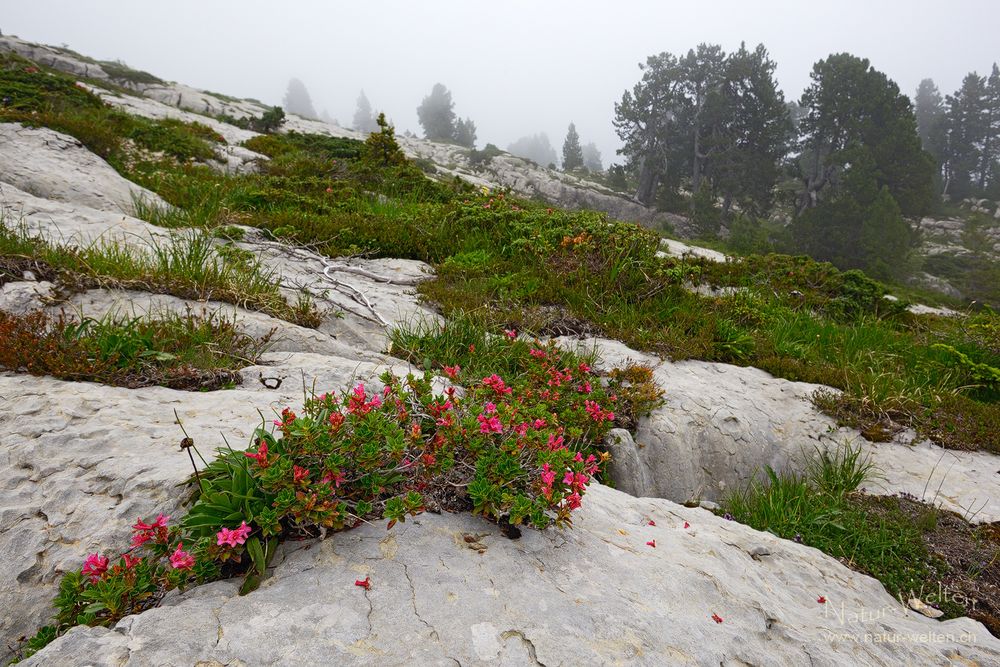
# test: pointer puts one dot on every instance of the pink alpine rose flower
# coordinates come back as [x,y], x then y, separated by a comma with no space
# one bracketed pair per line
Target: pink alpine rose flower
[94,567]
[261,456]
[496,383]
[489,424]
[555,442]
[233,537]
[548,475]
[180,559]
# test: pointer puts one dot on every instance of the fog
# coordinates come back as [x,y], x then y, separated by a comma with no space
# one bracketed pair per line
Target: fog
[516,68]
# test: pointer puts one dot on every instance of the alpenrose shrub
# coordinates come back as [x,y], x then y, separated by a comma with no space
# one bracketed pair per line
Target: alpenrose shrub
[520,449]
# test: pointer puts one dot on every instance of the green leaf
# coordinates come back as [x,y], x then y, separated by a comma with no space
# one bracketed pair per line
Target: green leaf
[158,355]
[256,552]
[251,583]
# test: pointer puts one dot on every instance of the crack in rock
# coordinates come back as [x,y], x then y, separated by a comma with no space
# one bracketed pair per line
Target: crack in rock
[413,603]
[528,644]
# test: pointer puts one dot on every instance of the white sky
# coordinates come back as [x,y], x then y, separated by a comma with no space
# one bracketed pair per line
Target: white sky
[514,67]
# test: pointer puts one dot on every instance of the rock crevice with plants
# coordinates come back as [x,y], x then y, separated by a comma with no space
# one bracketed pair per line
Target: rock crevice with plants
[285,384]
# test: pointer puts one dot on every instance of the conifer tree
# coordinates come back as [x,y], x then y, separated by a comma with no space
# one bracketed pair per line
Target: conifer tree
[592,158]
[437,116]
[572,152]
[465,133]
[297,100]
[364,120]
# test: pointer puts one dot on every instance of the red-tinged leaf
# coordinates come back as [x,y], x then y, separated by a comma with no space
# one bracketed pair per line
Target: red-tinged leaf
[716,618]
[390,524]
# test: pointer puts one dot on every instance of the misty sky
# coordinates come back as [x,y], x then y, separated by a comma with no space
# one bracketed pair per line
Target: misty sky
[514,67]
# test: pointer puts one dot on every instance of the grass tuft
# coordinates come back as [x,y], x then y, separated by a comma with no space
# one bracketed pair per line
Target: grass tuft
[189,265]
[176,351]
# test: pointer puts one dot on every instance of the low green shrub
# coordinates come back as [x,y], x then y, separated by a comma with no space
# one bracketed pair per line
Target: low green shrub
[121,72]
[959,422]
[177,351]
[34,89]
[479,159]
[973,374]
[519,449]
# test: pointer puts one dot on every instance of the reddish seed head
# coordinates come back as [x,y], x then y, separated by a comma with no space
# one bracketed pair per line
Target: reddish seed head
[716,618]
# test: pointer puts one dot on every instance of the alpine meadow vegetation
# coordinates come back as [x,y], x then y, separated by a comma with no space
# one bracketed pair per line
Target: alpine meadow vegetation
[501,420]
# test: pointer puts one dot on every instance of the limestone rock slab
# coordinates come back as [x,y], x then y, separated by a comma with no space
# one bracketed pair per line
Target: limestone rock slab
[52,165]
[596,594]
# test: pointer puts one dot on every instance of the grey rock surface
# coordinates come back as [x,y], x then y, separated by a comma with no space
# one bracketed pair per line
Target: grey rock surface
[361,297]
[527,179]
[23,296]
[52,165]
[932,282]
[720,425]
[596,594]
[49,56]
[74,224]
[231,156]
[947,236]
[672,248]
[79,462]
[967,483]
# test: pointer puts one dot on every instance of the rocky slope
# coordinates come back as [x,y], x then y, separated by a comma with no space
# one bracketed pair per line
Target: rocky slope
[720,425]
[167,99]
[597,594]
[80,461]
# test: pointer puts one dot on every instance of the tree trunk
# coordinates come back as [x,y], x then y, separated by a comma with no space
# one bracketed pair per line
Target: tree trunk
[696,161]
[987,159]
[648,178]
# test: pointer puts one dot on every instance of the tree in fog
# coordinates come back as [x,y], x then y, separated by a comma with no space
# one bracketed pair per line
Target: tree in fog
[465,133]
[853,107]
[436,115]
[862,168]
[364,119]
[572,153]
[748,133]
[535,147]
[701,79]
[972,164]
[929,110]
[647,120]
[297,100]
[709,120]
[932,126]
[592,158]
